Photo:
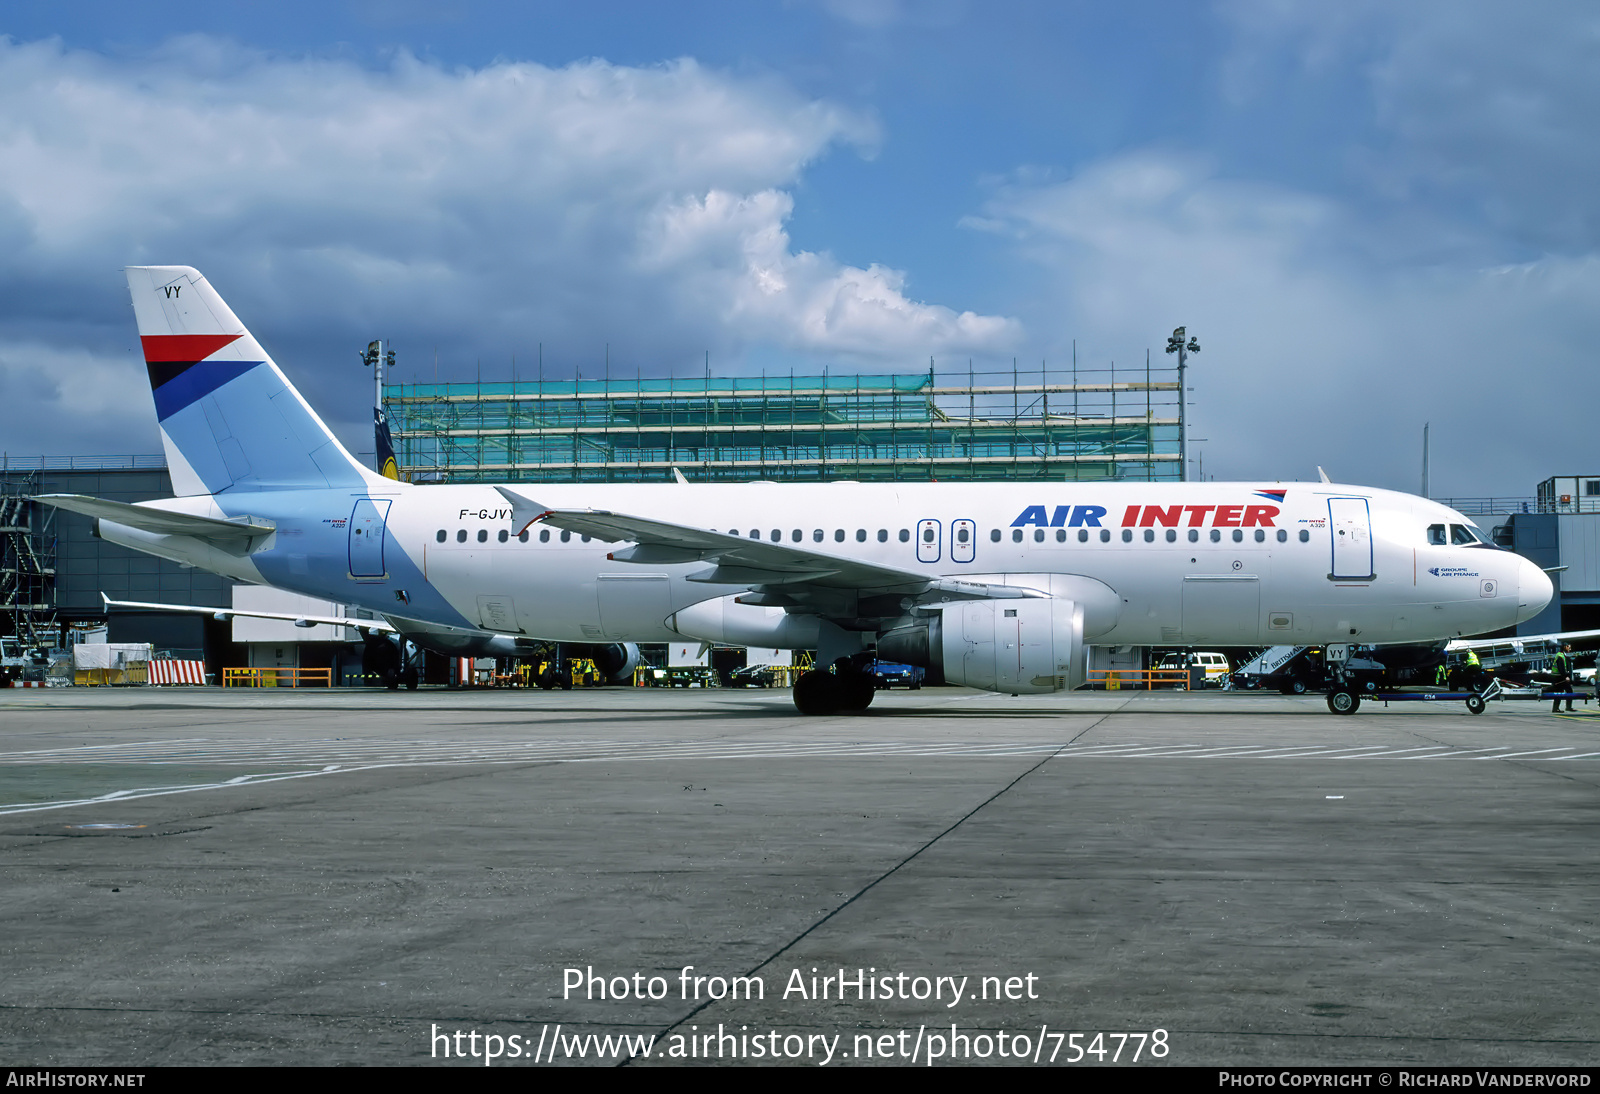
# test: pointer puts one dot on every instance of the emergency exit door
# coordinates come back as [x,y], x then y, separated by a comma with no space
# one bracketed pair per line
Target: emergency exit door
[963,540]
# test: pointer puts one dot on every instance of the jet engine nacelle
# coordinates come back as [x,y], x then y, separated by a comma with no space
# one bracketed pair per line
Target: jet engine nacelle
[617,661]
[1021,647]
[724,619]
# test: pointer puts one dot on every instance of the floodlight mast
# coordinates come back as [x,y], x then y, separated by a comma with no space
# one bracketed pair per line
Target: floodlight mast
[1176,344]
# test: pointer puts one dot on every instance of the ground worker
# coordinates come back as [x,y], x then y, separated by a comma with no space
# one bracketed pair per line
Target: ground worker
[1561,666]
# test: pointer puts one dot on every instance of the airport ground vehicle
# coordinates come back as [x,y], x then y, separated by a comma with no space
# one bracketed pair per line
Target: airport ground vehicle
[892,675]
[999,586]
[1214,664]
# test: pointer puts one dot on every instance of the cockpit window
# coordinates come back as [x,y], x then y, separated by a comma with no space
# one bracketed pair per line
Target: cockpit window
[1462,535]
[1436,535]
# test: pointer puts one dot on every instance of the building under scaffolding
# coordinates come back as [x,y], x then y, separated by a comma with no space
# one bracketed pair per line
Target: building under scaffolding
[27,559]
[1039,425]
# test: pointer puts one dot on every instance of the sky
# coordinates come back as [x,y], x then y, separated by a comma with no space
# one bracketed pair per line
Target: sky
[1372,216]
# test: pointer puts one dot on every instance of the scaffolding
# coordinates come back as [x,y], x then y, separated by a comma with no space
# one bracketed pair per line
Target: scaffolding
[1082,425]
[27,559]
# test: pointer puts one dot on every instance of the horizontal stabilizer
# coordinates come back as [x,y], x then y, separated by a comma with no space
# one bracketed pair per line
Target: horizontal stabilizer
[162,521]
[227,613]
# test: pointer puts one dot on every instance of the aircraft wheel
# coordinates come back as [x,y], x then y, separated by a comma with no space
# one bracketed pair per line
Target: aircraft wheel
[410,680]
[1475,704]
[814,693]
[1297,687]
[854,690]
[1343,701]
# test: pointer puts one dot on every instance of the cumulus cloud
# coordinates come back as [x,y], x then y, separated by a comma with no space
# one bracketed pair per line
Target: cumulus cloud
[1477,104]
[479,211]
[1316,349]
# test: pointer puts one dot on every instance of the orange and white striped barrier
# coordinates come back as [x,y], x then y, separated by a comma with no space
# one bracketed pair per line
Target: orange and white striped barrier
[166,673]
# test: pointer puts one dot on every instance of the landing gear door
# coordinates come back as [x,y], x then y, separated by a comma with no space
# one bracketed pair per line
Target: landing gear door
[928,532]
[963,540]
[366,537]
[1350,527]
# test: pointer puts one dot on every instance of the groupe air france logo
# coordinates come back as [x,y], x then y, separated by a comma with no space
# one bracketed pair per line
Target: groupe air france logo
[1451,571]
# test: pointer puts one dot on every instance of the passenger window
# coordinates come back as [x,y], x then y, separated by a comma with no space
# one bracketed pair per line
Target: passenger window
[1172,535]
[1194,535]
[504,535]
[483,535]
[544,535]
[1436,535]
[1127,535]
[962,535]
[1216,535]
[883,535]
[861,535]
[1305,536]
[1061,535]
[777,534]
[1283,536]
[566,536]
[522,536]
[994,535]
[755,533]
[1083,535]
[905,535]
[586,539]
[1105,535]
[1238,535]
[797,535]
[439,536]
[1261,535]
[1016,535]
[1038,535]
[816,535]
[461,535]
[927,535]
[838,535]
[1149,535]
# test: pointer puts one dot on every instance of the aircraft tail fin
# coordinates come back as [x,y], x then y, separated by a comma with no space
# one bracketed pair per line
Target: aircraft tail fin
[229,418]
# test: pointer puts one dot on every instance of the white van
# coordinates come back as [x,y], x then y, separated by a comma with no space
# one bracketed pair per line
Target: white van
[1215,664]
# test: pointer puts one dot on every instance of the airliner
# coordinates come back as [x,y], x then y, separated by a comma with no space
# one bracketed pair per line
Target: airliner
[998,586]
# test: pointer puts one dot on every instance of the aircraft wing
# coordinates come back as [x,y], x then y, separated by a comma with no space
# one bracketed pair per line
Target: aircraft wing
[752,562]
[224,613]
[161,521]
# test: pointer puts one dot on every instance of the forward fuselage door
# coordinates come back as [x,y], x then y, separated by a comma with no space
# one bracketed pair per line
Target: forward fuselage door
[1350,527]
[963,540]
[366,537]
[928,532]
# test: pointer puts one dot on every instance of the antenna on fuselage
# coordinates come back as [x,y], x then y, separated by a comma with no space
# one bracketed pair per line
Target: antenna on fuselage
[1321,474]
[678,475]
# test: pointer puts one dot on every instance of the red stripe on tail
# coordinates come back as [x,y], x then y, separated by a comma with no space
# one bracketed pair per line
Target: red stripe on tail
[184,347]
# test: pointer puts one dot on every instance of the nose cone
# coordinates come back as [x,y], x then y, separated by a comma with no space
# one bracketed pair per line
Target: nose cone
[1534,591]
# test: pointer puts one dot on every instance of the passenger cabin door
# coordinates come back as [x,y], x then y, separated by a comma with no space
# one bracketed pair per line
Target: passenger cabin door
[963,540]
[366,537]
[1350,527]
[928,532]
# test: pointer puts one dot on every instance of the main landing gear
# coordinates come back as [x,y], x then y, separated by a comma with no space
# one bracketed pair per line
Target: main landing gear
[847,688]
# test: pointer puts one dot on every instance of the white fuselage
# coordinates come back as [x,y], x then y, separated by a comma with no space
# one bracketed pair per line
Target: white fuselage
[1164,563]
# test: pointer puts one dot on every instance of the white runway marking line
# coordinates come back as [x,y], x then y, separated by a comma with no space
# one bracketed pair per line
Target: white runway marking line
[335,754]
